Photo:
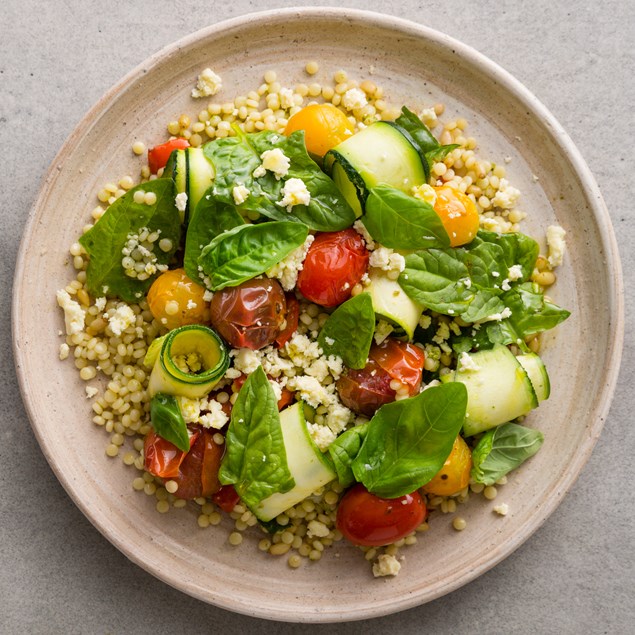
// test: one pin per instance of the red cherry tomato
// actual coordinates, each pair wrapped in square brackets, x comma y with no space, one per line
[368,520]
[366,390]
[162,458]
[226,498]
[293,315]
[159,155]
[286,397]
[335,263]
[249,315]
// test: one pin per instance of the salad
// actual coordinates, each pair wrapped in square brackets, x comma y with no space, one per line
[318,319]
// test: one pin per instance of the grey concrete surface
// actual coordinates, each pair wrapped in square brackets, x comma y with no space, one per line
[59,575]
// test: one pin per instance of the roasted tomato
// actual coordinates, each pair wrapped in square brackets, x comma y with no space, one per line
[176,300]
[365,390]
[335,263]
[159,155]
[368,520]
[226,498]
[162,458]
[286,396]
[455,473]
[324,125]
[293,315]
[250,315]
[458,214]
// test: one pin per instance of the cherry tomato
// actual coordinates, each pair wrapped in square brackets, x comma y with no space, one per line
[458,214]
[365,390]
[159,155]
[324,125]
[249,315]
[455,473]
[368,520]
[335,263]
[162,458]
[226,498]
[175,300]
[286,397]
[293,315]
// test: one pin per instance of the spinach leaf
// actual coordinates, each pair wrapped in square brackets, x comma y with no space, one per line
[349,331]
[344,450]
[236,158]
[105,241]
[409,440]
[246,251]
[209,219]
[514,249]
[255,460]
[503,449]
[399,221]
[168,422]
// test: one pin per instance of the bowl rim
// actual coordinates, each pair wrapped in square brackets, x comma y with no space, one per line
[559,137]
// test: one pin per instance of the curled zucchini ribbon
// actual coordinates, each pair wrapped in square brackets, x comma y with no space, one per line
[167,377]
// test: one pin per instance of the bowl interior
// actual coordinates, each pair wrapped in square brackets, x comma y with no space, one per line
[417,67]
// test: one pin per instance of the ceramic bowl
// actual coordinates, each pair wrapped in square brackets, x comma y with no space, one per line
[417,67]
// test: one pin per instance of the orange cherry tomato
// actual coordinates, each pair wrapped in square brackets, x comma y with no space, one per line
[162,458]
[455,473]
[324,125]
[458,214]
[159,155]
[175,300]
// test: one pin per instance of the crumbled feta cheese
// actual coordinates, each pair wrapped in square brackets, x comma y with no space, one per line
[497,317]
[329,340]
[495,224]
[232,373]
[467,363]
[442,334]
[429,117]
[322,436]
[515,272]
[354,98]
[317,529]
[318,369]
[507,196]
[208,295]
[294,193]
[90,392]
[287,98]
[387,260]
[208,84]
[215,418]
[382,331]
[275,161]
[360,228]
[181,201]
[64,351]
[302,351]
[240,194]
[190,409]
[386,565]
[74,315]
[100,303]
[310,389]
[336,366]
[277,389]
[121,319]
[287,270]
[245,360]
[425,321]
[505,286]
[502,509]
[556,245]
[425,193]
[259,171]
[338,417]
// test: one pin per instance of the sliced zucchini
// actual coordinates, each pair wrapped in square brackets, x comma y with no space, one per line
[200,175]
[391,303]
[498,389]
[167,377]
[310,468]
[377,154]
[537,371]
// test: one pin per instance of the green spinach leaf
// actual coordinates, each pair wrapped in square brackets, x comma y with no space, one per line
[349,331]
[105,241]
[344,450]
[399,221]
[408,441]
[247,251]
[503,449]
[168,422]
[255,461]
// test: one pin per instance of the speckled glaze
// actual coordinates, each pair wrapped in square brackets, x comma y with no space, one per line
[418,67]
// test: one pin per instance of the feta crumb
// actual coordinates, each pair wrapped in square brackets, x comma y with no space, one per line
[386,565]
[64,351]
[329,340]
[317,529]
[515,272]
[180,201]
[258,172]
[240,194]
[275,161]
[425,193]
[382,331]
[556,245]
[507,196]
[121,319]
[467,363]
[277,389]
[100,303]
[429,117]
[505,286]
[310,389]
[354,98]
[502,509]
[497,317]
[322,436]
[74,315]
[190,409]
[287,98]
[209,83]
[294,193]
[208,295]
[425,321]
[387,260]
[215,418]
[360,228]
[90,392]
[245,360]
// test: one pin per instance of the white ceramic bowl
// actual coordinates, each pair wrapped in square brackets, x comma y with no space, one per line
[416,66]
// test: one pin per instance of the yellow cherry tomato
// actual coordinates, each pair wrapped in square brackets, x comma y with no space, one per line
[324,125]
[458,214]
[455,473]
[175,300]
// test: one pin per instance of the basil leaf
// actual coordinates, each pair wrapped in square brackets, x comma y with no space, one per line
[399,221]
[167,420]
[409,440]
[503,449]
[255,460]
[236,158]
[105,241]
[246,251]
[349,331]
[209,219]
[344,450]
